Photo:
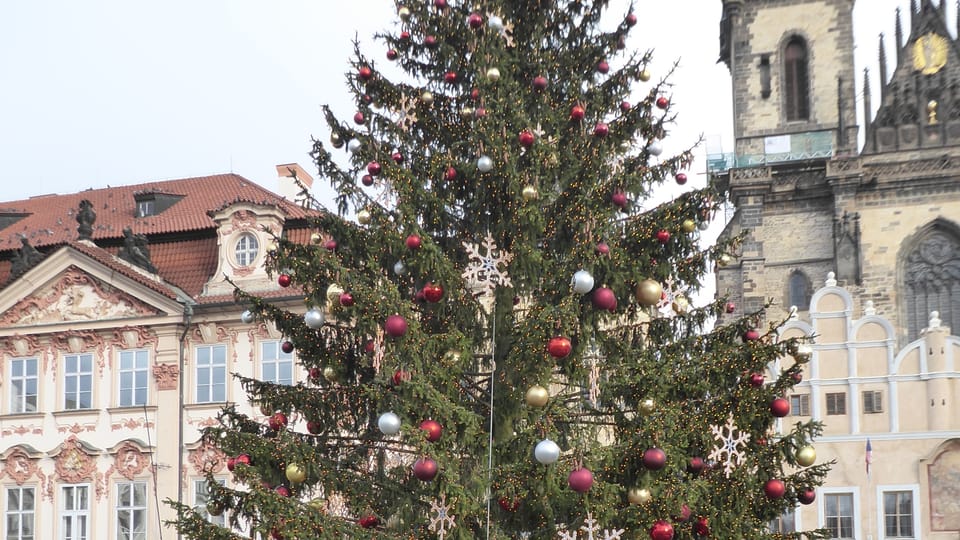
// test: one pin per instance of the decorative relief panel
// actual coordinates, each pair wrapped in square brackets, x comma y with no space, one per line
[129,461]
[76,342]
[73,464]
[19,466]
[75,296]
[21,430]
[166,376]
[207,458]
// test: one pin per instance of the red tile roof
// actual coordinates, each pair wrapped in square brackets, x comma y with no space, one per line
[183,238]
[51,219]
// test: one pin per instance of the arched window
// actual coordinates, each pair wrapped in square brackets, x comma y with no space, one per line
[931,278]
[798,291]
[796,80]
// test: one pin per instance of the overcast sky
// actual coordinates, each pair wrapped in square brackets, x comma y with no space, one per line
[110,92]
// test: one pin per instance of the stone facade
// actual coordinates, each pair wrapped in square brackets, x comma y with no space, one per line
[884,223]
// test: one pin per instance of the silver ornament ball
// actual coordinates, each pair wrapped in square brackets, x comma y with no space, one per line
[313,318]
[485,164]
[582,282]
[389,423]
[655,148]
[399,269]
[547,452]
[246,317]
[353,146]
[496,23]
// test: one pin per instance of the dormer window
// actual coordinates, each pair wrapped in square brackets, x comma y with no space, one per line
[246,250]
[152,203]
[146,208]
[796,80]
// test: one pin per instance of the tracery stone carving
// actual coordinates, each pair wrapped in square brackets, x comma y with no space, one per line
[932,279]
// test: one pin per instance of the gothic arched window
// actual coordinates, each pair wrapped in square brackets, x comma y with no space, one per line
[931,278]
[796,80]
[798,291]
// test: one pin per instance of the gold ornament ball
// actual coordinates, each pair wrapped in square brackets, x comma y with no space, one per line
[647,407]
[214,508]
[333,293]
[404,13]
[330,374]
[638,496]
[530,193]
[493,74]
[724,260]
[806,456]
[364,217]
[466,113]
[644,75]
[537,396]
[803,354]
[648,292]
[335,140]
[295,473]
[318,504]
[680,304]
[426,98]
[316,238]
[451,357]
[688,226]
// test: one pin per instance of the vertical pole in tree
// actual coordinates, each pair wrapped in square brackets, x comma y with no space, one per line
[493,369]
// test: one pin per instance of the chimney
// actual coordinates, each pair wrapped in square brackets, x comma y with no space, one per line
[288,187]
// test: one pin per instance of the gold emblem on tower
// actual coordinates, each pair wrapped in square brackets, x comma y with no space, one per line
[929,53]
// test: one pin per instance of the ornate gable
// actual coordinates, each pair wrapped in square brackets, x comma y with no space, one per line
[75,296]
[920,105]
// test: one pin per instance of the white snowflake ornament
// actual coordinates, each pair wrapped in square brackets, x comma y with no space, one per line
[729,452]
[483,272]
[592,528]
[441,521]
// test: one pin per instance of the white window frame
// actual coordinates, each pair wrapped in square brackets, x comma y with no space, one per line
[246,249]
[206,394]
[18,402]
[200,501]
[135,356]
[844,490]
[271,354]
[81,527]
[133,509]
[80,375]
[796,520]
[803,404]
[914,489]
[23,514]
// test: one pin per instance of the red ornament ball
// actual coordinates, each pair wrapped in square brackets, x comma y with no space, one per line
[432,292]
[661,530]
[451,174]
[730,307]
[314,427]
[480,112]
[346,299]
[577,113]
[663,236]
[397,157]
[392,54]
[315,374]
[368,522]
[425,469]
[526,138]
[580,480]
[367,180]
[400,376]
[430,42]
[654,459]
[806,496]
[662,102]
[286,347]
[631,19]
[413,242]
[756,380]
[601,130]
[797,377]
[475,20]
[278,421]
[684,514]
[681,178]
[603,66]
[282,491]
[751,335]
[450,77]
[231,463]
[404,36]
[603,298]
[540,83]
[433,428]
[365,73]
[619,199]
[696,465]
[440,3]
[395,326]
[374,168]
[702,527]
[774,488]
[330,245]
[779,407]
[559,347]
[284,280]
[369,346]
[358,118]
[509,505]
[475,94]
[243,459]
[625,106]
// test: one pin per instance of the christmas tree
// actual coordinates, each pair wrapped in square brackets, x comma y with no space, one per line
[496,325]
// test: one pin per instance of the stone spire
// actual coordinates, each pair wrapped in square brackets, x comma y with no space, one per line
[867,109]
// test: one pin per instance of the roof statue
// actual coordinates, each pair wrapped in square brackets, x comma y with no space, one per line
[135,250]
[85,217]
[24,259]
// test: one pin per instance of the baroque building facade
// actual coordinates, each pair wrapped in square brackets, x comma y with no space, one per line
[118,337]
[857,248]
